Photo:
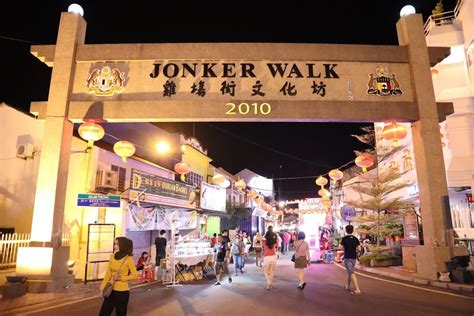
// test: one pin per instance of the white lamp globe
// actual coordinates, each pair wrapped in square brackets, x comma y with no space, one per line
[225,184]
[75,8]
[407,10]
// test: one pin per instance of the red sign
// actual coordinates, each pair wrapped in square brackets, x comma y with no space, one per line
[469,198]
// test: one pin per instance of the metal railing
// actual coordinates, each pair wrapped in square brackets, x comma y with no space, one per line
[444,18]
[9,244]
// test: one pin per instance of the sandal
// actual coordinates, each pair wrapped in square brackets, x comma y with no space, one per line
[356,293]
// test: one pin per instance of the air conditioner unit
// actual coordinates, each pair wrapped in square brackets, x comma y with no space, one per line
[106,179]
[25,150]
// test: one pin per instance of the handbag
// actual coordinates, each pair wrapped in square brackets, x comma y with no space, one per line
[293,256]
[109,286]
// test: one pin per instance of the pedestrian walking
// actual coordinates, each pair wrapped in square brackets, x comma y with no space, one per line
[301,258]
[160,244]
[120,270]
[222,259]
[257,245]
[279,243]
[292,240]
[213,240]
[270,244]
[248,243]
[238,249]
[351,245]
[286,242]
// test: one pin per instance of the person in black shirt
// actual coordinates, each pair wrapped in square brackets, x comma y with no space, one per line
[350,244]
[222,259]
[160,244]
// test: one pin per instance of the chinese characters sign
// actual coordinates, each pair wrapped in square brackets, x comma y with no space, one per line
[150,188]
[257,81]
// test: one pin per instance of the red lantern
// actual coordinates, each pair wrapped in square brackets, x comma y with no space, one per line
[182,168]
[394,132]
[364,161]
[252,195]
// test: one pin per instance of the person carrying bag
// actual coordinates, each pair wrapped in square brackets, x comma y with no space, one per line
[293,256]
[301,258]
[120,270]
[110,285]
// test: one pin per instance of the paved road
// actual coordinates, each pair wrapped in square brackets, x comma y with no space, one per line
[323,295]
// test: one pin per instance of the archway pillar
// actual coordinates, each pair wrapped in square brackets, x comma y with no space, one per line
[434,205]
[45,261]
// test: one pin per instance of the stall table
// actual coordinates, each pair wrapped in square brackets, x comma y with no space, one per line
[189,261]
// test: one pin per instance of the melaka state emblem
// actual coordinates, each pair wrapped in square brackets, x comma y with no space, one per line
[382,85]
[105,82]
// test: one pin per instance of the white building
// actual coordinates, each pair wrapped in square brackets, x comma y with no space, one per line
[453,80]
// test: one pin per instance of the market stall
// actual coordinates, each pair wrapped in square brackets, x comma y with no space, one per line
[191,257]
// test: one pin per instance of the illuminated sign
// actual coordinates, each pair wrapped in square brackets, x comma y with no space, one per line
[212,197]
[154,189]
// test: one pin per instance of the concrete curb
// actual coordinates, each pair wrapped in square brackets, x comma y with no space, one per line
[67,299]
[445,285]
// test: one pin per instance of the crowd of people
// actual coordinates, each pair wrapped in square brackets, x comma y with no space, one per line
[121,268]
[267,249]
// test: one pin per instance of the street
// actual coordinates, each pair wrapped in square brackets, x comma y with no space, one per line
[324,295]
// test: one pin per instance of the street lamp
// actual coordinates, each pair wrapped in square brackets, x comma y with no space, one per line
[407,10]
[91,132]
[162,147]
[75,8]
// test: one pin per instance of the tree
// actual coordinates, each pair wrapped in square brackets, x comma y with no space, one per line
[438,8]
[233,216]
[376,188]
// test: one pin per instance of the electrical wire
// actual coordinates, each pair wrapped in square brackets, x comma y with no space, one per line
[266,147]
[18,40]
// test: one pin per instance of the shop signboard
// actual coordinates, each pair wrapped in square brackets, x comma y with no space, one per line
[150,188]
[98,200]
[212,197]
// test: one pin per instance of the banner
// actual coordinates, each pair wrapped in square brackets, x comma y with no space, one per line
[156,218]
[212,197]
[154,189]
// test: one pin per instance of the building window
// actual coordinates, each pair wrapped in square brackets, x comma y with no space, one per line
[122,172]
[194,179]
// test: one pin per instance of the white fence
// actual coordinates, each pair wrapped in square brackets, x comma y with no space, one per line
[444,18]
[9,244]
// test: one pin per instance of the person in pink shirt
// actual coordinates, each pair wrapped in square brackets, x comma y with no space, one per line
[270,244]
[286,242]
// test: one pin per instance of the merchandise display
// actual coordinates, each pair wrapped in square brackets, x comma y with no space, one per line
[192,247]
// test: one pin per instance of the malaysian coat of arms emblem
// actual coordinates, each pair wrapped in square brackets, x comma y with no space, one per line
[105,82]
[382,85]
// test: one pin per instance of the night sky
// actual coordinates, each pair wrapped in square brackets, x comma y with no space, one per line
[270,149]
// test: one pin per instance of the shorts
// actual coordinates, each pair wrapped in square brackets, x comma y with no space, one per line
[350,266]
[221,266]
